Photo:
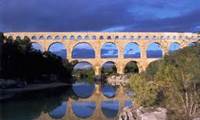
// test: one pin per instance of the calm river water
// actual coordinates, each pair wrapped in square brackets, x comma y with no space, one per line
[79,102]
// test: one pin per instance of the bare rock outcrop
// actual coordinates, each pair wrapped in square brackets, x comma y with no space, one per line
[143,114]
[118,80]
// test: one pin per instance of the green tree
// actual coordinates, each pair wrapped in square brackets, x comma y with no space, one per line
[22,62]
[1,50]
[145,92]
[173,82]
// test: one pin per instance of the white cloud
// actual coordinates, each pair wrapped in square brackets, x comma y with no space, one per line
[115,29]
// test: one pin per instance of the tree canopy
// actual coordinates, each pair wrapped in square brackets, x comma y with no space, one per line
[172,82]
[21,62]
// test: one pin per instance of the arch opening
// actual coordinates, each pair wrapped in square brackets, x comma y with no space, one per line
[83,71]
[83,50]
[34,38]
[131,67]
[57,37]
[132,50]
[173,47]
[49,37]
[36,46]
[109,50]
[41,37]
[58,49]
[154,50]
[84,75]
[108,68]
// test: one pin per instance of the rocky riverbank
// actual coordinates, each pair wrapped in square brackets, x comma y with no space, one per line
[121,80]
[143,114]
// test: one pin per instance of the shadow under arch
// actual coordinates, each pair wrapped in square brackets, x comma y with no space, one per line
[58,49]
[108,68]
[132,50]
[154,50]
[131,67]
[83,70]
[109,50]
[83,50]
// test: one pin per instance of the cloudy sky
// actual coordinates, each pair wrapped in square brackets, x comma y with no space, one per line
[100,15]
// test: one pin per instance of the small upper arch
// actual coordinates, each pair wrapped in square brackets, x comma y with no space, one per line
[72,37]
[57,37]
[49,37]
[64,37]
[79,37]
[34,37]
[86,37]
[41,37]
[94,37]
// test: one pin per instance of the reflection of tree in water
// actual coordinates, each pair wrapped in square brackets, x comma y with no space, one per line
[32,105]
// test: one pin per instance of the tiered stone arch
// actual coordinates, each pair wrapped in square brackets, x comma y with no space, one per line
[120,39]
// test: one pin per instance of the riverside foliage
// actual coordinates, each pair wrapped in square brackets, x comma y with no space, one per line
[21,62]
[172,82]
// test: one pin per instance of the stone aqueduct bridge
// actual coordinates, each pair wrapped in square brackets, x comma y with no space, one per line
[120,39]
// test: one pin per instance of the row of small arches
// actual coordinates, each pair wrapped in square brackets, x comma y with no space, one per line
[109,50]
[109,37]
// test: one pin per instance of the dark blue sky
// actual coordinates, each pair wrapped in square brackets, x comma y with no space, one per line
[100,15]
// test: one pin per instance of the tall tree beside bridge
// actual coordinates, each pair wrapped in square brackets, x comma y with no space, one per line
[1,50]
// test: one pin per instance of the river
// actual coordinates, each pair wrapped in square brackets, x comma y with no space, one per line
[82,101]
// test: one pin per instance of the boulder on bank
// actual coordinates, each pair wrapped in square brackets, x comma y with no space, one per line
[143,114]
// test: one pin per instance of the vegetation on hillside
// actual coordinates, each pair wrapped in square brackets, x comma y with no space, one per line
[172,82]
[23,63]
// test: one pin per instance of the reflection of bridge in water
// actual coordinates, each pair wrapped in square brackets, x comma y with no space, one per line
[97,97]
[97,39]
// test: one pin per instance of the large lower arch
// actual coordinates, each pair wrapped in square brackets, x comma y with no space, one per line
[131,67]
[109,50]
[84,71]
[58,49]
[132,50]
[37,46]
[173,47]
[108,68]
[83,50]
[154,50]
